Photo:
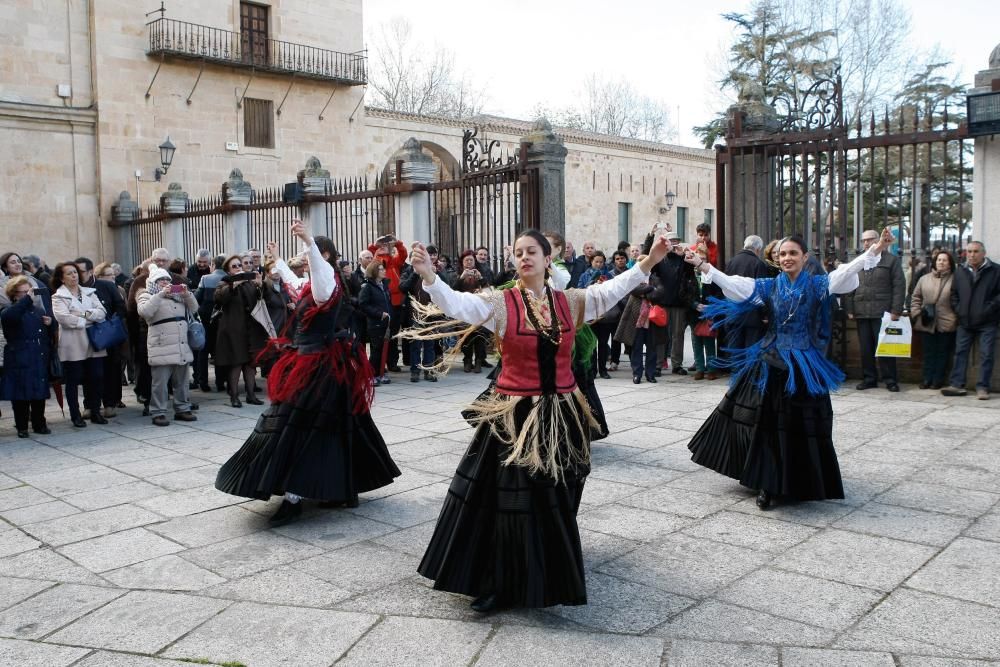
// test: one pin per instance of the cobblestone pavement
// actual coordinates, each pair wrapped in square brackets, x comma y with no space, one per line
[115,547]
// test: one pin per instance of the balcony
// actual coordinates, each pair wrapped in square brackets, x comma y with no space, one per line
[179,39]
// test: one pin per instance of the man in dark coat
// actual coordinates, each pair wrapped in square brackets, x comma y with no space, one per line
[204,293]
[747,263]
[880,290]
[202,267]
[580,263]
[975,298]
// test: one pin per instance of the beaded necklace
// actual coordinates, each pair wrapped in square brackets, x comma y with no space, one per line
[554,333]
[786,289]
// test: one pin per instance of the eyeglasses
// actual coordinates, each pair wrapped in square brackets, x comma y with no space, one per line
[236,266]
[108,274]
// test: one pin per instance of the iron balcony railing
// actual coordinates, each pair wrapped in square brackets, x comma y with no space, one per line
[168,37]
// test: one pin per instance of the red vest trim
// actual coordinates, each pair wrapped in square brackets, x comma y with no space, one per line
[521,372]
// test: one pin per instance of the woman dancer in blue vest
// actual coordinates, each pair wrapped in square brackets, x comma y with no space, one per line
[317,439]
[773,431]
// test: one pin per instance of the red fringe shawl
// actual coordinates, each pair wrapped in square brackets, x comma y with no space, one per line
[293,373]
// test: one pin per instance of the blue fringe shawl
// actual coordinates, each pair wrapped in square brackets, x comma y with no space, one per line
[806,362]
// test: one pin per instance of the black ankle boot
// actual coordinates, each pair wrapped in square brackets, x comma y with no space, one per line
[430,377]
[764,499]
[287,513]
[484,604]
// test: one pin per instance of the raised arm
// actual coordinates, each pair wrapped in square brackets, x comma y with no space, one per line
[844,278]
[456,305]
[321,273]
[602,297]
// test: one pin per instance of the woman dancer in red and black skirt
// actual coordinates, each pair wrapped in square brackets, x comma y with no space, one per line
[507,533]
[317,439]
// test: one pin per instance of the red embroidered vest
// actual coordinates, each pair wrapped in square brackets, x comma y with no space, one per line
[532,365]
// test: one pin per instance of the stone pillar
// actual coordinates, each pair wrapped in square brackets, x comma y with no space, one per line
[547,155]
[986,196]
[986,170]
[123,212]
[748,179]
[315,181]
[174,201]
[413,220]
[237,192]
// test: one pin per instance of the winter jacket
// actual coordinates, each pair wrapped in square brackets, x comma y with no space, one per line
[74,316]
[205,294]
[880,290]
[238,337]
[393,268]
[373,302]
[676,277]
[576,268]
[651,291]
[934,288]
[166,317]
[26,353]
[976,298]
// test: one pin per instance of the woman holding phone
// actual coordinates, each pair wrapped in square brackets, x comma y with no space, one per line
[239,337]
[166,308]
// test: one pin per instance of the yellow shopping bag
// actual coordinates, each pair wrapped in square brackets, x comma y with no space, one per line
[895,337]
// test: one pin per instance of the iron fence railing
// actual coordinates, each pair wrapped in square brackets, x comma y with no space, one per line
[269,218]
[204,226]
[169,37]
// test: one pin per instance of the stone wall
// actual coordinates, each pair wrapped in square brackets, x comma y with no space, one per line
[601,171]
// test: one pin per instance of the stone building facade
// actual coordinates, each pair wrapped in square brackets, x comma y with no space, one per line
[612,184]
[85,100]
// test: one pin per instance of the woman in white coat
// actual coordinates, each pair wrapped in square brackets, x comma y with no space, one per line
[76,308]
[166,309]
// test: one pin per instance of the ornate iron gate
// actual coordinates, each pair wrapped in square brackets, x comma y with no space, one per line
[798,168]
[494,199]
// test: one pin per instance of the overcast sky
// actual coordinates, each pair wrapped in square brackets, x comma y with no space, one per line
[525,53]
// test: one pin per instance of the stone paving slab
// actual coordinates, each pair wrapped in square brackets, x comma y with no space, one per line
[141,621]
[267,635]
[117,551]
[48,611]
[417,641]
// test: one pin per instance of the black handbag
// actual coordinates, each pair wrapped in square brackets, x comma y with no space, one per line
[55,366]
[927,314]
[928,311]
[107,334]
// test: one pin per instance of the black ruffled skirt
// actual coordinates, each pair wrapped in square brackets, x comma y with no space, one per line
[503,530]
[586,381]
[312,446]
[772,441]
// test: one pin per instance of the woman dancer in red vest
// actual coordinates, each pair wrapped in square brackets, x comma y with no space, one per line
[507,533]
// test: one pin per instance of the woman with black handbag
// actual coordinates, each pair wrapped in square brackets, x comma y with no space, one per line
[933,317]
[76,309]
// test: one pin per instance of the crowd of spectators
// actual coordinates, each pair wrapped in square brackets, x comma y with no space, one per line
[242,301]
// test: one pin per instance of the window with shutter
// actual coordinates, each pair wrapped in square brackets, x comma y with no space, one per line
[258,123]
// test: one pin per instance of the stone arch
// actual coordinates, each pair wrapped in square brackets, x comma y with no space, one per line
[449,167]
